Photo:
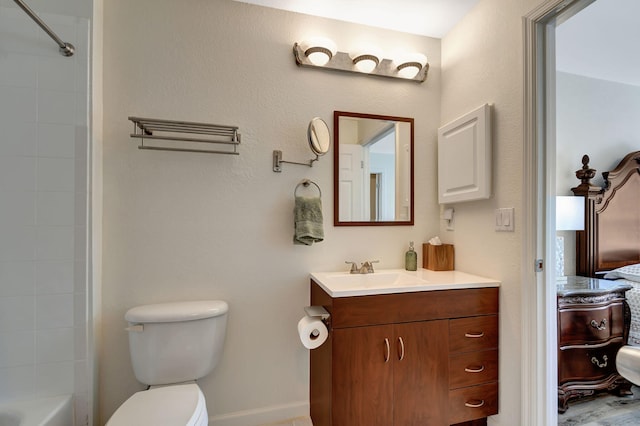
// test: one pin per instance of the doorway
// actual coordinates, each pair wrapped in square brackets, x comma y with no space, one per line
[539,406]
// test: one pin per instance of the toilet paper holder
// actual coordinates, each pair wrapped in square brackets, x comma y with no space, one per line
[319,311]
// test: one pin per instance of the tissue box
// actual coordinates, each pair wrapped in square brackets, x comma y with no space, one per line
[437,258]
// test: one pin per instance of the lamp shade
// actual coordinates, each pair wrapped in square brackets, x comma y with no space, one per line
[569,213]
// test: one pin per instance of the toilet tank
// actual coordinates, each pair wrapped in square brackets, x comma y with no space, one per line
[176,342]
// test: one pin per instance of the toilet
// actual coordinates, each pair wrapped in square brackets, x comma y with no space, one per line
[172,345]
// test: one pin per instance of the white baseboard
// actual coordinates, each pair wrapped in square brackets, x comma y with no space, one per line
[262,416]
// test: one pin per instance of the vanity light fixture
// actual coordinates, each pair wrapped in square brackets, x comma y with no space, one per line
[318,50]
[366,61]
[369,62]
[410,65]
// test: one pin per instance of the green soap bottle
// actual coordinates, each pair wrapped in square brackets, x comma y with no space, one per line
[411,259]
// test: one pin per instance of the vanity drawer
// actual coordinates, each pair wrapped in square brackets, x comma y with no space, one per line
[473,368]
[588,362]
[473,402]
[473,334]
[590,324]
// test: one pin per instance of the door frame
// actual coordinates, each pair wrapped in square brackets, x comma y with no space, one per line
[539,323]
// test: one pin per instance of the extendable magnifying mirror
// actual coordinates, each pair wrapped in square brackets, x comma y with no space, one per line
[319,138]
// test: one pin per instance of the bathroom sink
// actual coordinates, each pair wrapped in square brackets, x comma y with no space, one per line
[386,281]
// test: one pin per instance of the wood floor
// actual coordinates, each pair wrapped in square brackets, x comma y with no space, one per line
[604,410]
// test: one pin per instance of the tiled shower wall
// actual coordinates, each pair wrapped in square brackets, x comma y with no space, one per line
[44,148]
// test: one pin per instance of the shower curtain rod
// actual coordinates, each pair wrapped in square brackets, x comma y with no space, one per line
[66,49]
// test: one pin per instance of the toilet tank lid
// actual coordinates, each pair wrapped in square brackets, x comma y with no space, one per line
[177,311]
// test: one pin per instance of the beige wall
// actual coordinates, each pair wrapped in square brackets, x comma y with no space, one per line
[181,226]
[482,62]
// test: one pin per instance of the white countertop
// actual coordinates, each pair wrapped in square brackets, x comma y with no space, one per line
[388,281]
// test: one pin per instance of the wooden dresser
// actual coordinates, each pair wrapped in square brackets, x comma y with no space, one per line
[593,323]
[407,359]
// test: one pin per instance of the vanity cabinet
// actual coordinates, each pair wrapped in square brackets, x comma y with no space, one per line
[593,323]
[407,359]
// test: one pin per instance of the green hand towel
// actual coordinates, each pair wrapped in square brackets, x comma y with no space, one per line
[307,215]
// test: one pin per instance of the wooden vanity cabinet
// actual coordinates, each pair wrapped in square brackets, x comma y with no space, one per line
[403,359]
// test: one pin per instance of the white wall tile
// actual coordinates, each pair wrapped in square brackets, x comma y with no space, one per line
[54,311]
[55,208]
[19,104]
[80,276]
[18,243]
[56,174]
[54,277]
[55,243]
[17,348]
[54,378]
[56,72]
[54,345]
[18,139]
[17,314]
[56,106]
[56,140]
[17,279]
[17,208]
[79,309]
[17,174]
[80,342]
[17,69]
[17,382]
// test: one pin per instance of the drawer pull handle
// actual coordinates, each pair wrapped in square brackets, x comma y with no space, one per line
[474,335]
[474,369]
[597,363]
[474,403]
[401,357]
[601,326]
[388,350]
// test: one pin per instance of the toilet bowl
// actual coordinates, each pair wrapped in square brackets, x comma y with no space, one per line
[163,406]
[171,346]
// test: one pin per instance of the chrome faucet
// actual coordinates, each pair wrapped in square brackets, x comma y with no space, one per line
[366,268]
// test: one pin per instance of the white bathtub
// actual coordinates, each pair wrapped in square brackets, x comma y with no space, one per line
[52,411]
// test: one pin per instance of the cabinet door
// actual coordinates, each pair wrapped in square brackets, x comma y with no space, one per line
[363,376]
[421,373]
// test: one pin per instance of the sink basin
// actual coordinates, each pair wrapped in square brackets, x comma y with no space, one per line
[386,281]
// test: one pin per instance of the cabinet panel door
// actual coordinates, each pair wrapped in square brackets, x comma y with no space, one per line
[420,375]
[363,376]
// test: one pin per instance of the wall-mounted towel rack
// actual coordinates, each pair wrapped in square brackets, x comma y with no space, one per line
[169,130]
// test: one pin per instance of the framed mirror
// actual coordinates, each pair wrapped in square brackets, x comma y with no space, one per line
[373,160]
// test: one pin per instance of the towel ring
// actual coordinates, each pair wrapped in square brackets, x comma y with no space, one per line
[306,183]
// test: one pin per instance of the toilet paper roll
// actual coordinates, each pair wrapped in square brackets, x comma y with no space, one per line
[312,332]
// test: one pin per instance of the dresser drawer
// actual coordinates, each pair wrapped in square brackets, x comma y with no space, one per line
[588,362]
[473,368]
[473,402]
[473,334]
[590,324]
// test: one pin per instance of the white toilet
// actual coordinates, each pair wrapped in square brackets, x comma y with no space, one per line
[172,345]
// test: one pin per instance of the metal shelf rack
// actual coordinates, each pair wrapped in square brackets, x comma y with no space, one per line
[227,138]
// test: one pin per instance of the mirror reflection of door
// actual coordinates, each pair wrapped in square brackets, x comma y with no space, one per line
[351,175]
[374,196]
[373,169]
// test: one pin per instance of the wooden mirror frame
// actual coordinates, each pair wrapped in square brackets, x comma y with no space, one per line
[336,159]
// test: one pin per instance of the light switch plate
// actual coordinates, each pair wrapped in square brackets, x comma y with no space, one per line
[504,219]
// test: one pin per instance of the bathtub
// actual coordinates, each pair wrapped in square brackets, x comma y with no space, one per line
[50,411]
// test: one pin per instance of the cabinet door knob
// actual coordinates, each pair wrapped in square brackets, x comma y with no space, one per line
[472,369]
[388,350]
[601,326]
[474,335]
[401,355]
[476,403]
